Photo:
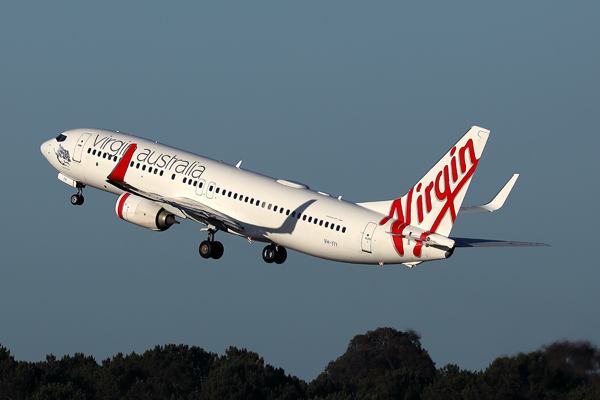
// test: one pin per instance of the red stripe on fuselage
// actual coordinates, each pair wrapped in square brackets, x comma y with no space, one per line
[118,174]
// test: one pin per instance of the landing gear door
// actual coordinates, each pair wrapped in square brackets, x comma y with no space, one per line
[80,146]
[368,237]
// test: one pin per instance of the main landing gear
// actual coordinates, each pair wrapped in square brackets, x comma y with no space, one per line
[211,249]
[77,199]
[273,253]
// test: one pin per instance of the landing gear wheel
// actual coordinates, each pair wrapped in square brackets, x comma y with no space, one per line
[268,254]
[217,250]
[205,249]
[280,255]
[211,249]
[77,199]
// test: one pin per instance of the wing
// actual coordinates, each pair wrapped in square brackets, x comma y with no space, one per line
[203,214]
[496,203]
[189,208]
[468,242]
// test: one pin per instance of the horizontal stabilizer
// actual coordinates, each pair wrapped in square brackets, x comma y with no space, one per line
[496,203]
[468,242]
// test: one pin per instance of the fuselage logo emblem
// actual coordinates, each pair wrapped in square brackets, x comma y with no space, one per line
[63,156]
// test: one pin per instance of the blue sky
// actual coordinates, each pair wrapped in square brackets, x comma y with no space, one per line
[355,99]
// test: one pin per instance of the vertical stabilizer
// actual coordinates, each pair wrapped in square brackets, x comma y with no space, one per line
[433,203]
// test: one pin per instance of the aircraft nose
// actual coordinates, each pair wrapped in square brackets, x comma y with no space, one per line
[46,148]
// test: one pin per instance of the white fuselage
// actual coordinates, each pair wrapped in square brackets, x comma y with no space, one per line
[266,208]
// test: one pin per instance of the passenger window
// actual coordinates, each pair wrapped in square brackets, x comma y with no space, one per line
[184,179]
[201,184]
[241,197]
[281,210]
[332,226]
[321,223]
[131,164]
[161,172]
[344,230]
[316,220]
[155,171]
[149,169]
[304,217]
[269,206]
[263,204]
[229,194]
[210,188]
[309,219]
[235,196]
[195,183]
[251,201]
[94,152]
[172,176]
[275,208]
[293,214]
[337,228]
[89,150]
[99,154]
[217,191]
[246,200]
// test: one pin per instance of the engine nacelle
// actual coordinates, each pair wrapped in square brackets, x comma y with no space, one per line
[144,213]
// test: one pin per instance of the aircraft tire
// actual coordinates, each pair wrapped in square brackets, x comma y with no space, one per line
[268,254]
[280,255]
[217,250]
[205,249]
[77,200]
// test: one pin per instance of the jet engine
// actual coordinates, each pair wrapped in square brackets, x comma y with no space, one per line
[143,212]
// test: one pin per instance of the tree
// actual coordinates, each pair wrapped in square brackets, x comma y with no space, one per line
[452,383]
[378,352]
[241,374]
[582,359]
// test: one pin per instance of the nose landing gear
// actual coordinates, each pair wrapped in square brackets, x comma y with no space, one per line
[77,199]
[210,248]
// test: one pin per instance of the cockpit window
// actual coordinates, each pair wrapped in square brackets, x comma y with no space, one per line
[61,138]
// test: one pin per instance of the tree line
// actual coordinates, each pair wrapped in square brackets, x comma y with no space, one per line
[381,364]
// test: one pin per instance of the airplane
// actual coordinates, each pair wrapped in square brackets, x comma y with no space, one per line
[157,184]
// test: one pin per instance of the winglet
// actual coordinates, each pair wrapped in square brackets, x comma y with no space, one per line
[118,174]
[496,203]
